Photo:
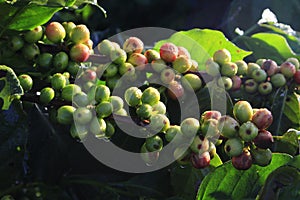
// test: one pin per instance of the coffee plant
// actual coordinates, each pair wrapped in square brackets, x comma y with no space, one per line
[62,94]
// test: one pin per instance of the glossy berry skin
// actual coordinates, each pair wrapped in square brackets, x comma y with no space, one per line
[236,83]
[242,68]
[212,67]
[104,109]
[126,69]
[47,94]
[262,118]
[278,80]
[288,69]
[189,127]
[265,88]
[69,91]
[211,114]
[264,139]
[261,157]
[105,47]
[65,114]
[98,127]
[242,111]
[167,76]
[199,145]
[150,96]
[251,68]
[168,52]
[154,143]
[175,90]
[58,81]
[182,64]
[15,43]
[44,60]
[82,115]
[79,53]
[133,96]
[222,56]
[194,66]
[297,77]
[200,161]
[270,67]
[30,51]
[158,65]
[248,131]
[81,99]
[259,75]
[159,108]
[182,51]
[233,147]
[102,93]
[133,45]
[159,123]
[26,82]
[137,59]
[34,35]
[55,32]
[144,111]
[191,82]
[172,131]
[242,161]
[60,61]
[68,26]
[228,126]
[117,102]
[250,86]
[260,61]
[80,34]
[225,82]
[151,55]
[209,128]
[229,69]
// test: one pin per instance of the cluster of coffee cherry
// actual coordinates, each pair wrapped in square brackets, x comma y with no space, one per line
[263,76]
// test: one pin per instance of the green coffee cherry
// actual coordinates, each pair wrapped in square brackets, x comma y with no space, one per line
[65,114]
[159,108]
[98,127]
[30,51]
[250,86]
[212,67]
[81,99]
[83,115]
[261,157]
[16,43]
[47,94]
[150,96]
[144,111]
[117,103]
[278,80]
[251,68]
[118,56]
[133,96]
[127,69]
[225,82]
[69,91]
[111,70]
[189,127]
[159,123]
[265,88]
[233,147]
[248,131]
[105,47]
[58,81]
[154,143]
[26,82]
[60,61]
[222,56]
[45,60]
[104,109]
[110,130]
[242,68]
[34,35]
[228,126]
[73,68]
[102,93]
[229,69]
[242,111]
[191,82]
[259,75]
[172,131]
[199,146]
[78,131]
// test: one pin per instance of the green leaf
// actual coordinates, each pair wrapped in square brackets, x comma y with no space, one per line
[91,2]
[292,109]
[9,86]
[226,182]
[202,43]
[216,161]
[288,143]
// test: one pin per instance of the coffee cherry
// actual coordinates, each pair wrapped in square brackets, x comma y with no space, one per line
[78,131]
[264,139]
[34,35]
[65,114]
[118,56]
[30,51]
[104,109]
[262,118]
[236,83]
[102,93]
[98,127]
[58,81]
[167,76]
[260,61]
[73,68]
[133,45]
[159,123]
[294,61]
[210,128]
[150,96]
[154,143]
[133,96]
[199,146]
[89,75]
[168,52]
[68,26]
[228,126]
[222,56]
[117,103]
[182,64]
[288,69]
[278,80]
[126,69]
[297,77]
[80,34]
[26,82]
[259,75]
[265,88]
[189,127]
[82,115]
[261,157]
[175,90]
[242,161]
[159,108]
[211,114]
[79,53]
[183,52]
[233,147]
[229,69]
[250,86]
[225,82]
[242,111]
[16,43]
[81,99]
[110,130]
[148,157]
[105,47]
[47,94]
[194,66]
[151,55]
[191,82]
[158,65]
[172,131]
[212,67]
[200,161]
[44,60]
[144,111]
[248,131]
[69,91]
[242,68]
[60,61]
[55,32]
[137,59]
[251,68]
[121,112]
[270,67]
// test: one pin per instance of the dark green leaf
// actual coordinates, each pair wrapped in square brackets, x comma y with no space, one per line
[292,109]
[92,2]
[202,43]
[226,182]
[288,143]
